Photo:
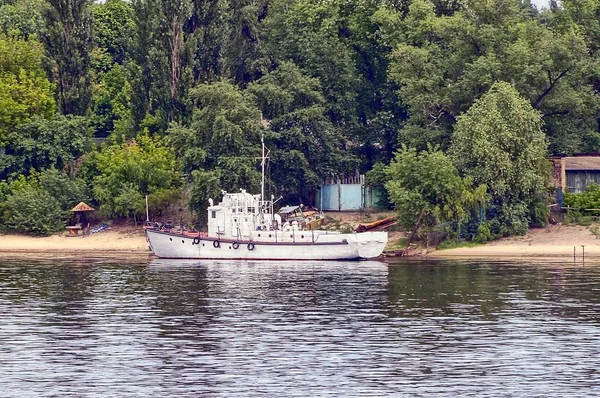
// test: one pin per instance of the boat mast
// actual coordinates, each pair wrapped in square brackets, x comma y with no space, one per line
[263,161]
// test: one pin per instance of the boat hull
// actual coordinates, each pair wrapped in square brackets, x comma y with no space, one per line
[353,246]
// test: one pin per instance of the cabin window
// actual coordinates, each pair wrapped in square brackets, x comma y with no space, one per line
[213,214]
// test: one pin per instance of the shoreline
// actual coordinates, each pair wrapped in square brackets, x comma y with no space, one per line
[551,242]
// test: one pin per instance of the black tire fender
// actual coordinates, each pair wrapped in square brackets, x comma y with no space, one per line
[250,246]
[196,240]
[235,245]
[216,244]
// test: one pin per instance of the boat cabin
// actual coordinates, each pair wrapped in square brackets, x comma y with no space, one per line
[238,214]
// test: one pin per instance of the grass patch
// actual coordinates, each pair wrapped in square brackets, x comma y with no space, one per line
[398,244]
[452,244]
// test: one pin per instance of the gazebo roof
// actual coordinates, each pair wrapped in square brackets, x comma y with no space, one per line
[83,207]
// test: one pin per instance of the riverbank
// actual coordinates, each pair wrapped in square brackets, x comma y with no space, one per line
[124,242]
[552,241]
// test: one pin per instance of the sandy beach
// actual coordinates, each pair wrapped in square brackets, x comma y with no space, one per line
[553,241]
[106,243]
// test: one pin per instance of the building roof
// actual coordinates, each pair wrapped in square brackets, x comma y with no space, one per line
[582,163]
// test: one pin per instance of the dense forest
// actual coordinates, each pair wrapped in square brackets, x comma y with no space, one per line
[451,105]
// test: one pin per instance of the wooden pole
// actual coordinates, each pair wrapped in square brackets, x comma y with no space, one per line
[414,231]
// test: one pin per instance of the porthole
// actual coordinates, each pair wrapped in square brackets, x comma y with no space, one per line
[259,235]
[302,236]
[182,241]
[203,245]
[269,235]
[291,236]
[230,247]
[171,239]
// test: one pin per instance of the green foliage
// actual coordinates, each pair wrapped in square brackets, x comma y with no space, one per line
[203,185]
[588,199]
[221,142]
[21,18]
[128,171]
[307,147]
[42,144]
[113,27]
[484,233]
[444,63]
[499,142]
[428,180]
[110,106]
[129,201]
[24,89]
[39,204]
[67,38]
[66,191]
[539,213]
[340,84]
[159,201]
[33,210]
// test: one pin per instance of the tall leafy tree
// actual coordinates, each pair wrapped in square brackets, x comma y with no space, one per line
[442,64]
[126,172]
[68,41]
[307,146]
[428,182]
[113,28]
[161,69]
[25,90]
[207,29]
[21,18]
[245,53]
[42,143]
[218,150]
[499,142]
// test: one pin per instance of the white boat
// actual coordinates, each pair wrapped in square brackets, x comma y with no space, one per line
[243,226]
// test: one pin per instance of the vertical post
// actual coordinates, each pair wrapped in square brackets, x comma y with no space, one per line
[583,253]
[262,184]
[147,215]
[339,194]
[573,253]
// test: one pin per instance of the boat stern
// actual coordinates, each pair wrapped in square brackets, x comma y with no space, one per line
[371,244]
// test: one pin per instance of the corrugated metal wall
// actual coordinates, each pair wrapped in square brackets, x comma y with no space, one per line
[578,180]
[340,197]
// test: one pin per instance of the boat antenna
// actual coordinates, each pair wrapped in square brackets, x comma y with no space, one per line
[264,158]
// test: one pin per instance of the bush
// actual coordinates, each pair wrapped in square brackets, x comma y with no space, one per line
[33,210]
[538,213]
[484,234]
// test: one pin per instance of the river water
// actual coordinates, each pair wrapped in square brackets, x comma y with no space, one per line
[100,328]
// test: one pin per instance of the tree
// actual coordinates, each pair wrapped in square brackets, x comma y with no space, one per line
[33,210]
[68,41]
[222,141]
[442,64]
[145,165]
[429,181]
[21,18]
[499,142]
[42,144]
[24,89]
[113,28]
[67,192]
[244,54]
[306,146]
